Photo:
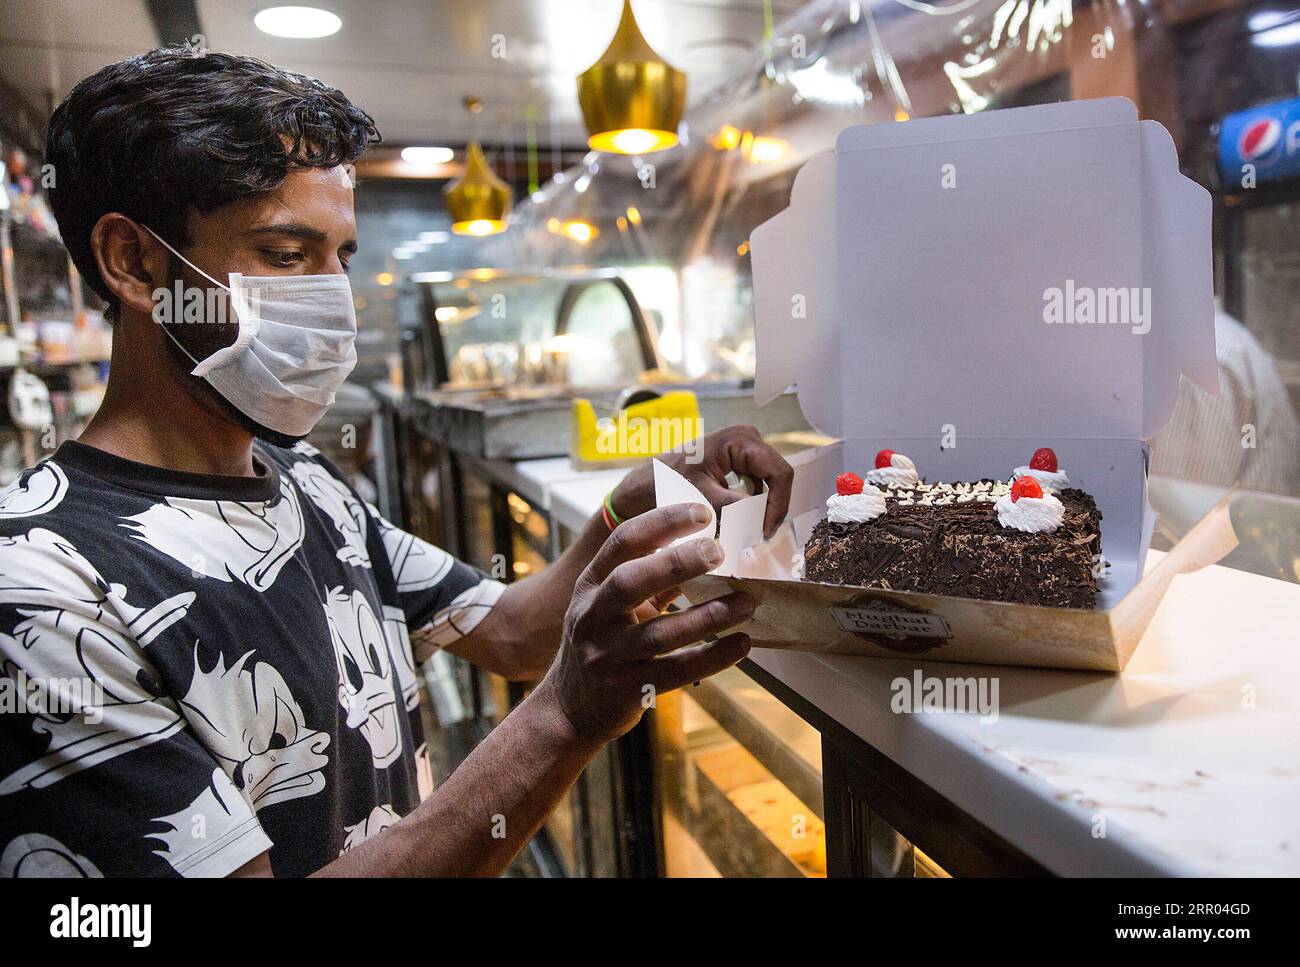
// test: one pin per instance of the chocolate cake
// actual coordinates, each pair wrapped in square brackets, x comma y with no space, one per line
[954,540]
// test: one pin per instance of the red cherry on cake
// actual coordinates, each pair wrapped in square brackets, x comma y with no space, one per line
[1025,487]
[847,484]
[885,458]
[1044,459]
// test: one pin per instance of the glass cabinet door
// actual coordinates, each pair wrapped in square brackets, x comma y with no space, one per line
[740,783]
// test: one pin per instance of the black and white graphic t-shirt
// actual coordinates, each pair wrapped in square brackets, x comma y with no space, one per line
[195,669]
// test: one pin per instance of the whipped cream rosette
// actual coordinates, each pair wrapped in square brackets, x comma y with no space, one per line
[893,470]
[855,508]
[854,501]
[1044,468]
[1027,508]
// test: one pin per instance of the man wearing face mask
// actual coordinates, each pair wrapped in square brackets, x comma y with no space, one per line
[215,637]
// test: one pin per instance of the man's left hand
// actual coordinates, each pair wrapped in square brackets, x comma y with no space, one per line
[737,449]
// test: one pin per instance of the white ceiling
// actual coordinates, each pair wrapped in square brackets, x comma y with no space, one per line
[408,62]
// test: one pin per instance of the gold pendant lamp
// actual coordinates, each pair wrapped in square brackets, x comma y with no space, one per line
[631,99]
[479,202]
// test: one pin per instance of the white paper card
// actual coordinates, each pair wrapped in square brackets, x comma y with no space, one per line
[742,525]
[740,533]
[672,488]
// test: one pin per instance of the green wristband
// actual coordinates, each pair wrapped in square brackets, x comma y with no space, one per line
[609,506]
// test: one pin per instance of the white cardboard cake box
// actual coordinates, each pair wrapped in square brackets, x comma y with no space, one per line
[905,292]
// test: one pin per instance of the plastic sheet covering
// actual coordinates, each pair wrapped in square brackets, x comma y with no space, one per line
[677,222]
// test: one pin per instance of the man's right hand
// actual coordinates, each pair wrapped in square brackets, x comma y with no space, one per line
[610,665]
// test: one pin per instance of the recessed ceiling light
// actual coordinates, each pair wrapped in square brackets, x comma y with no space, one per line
[299,23]
[427,156]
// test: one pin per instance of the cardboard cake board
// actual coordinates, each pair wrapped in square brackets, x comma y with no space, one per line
[965,290]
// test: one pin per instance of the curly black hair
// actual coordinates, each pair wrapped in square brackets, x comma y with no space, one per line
[175,129]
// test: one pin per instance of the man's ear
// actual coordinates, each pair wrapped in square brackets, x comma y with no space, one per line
[132,263]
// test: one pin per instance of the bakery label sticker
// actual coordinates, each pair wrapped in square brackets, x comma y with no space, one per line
[892,626]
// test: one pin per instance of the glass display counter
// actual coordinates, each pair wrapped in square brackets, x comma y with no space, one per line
[571,327]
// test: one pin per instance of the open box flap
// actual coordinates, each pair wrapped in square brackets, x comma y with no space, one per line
[1176,208]
[927,257]
[798,318]
[1090,113]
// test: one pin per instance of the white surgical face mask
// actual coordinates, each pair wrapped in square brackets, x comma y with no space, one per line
[294,349]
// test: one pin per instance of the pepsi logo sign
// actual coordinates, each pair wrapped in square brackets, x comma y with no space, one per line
[1260,144]
[1260,139]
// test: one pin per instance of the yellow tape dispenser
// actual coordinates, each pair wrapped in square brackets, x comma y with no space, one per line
[641,428]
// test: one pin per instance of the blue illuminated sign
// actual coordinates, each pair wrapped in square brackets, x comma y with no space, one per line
[1266,138]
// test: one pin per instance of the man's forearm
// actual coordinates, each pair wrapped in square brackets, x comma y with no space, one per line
[479,819]
[519,638]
